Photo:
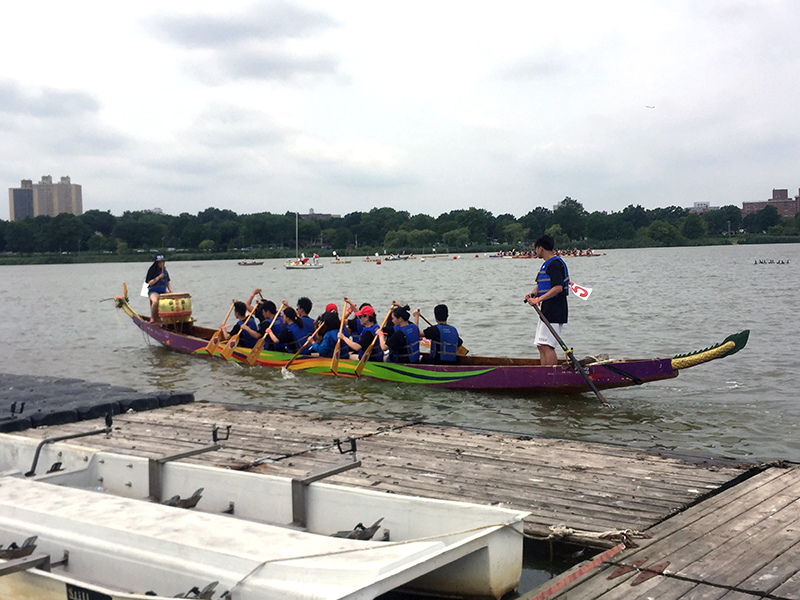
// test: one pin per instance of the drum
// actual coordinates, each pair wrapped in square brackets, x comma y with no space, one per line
[175,308]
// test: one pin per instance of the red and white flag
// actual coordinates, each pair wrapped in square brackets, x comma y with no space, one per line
[580,291]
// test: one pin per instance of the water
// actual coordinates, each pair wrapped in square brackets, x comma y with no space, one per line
[645,303]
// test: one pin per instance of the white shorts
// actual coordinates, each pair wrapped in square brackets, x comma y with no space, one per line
[544,337]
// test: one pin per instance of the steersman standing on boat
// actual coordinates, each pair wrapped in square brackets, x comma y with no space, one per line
[550,293]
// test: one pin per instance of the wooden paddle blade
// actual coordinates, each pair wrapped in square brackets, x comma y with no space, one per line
[461,351]
[335,359]
[211,348]
[252,358]
[230,346]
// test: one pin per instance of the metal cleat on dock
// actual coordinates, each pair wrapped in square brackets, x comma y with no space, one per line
[14,551]
[189,502]
[359,532]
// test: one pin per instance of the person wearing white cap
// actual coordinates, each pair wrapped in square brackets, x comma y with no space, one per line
[158,283]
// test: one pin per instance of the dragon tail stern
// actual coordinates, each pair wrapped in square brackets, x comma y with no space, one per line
[730,345]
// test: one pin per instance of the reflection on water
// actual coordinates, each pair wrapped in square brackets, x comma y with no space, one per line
[653,302]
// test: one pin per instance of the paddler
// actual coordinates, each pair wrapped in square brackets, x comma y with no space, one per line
[367,330]
[550,293]
[304,306]
[158,283]
[327,337]
[403,344]
[292,336]
[249,329]
[444,338]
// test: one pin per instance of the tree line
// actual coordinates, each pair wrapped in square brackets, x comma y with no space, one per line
[384,229]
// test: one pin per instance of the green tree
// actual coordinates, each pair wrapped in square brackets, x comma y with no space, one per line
[514,234]
[537,220]
[601,226]
[422,238]
[207,245]
[571,216]
[20,236]
[694,227]
[561,239]
[767,217]
[636,216]
[396,241]
[457,238]
[663,233]
[102,222]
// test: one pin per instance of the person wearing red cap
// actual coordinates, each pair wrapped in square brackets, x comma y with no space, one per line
[332,308]
[368,328]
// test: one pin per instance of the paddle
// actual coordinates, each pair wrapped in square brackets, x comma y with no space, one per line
[231,344]
[575,363]
[214,341]
[285,368]
[368,351]
[335,359]
[253,356]
[461,350]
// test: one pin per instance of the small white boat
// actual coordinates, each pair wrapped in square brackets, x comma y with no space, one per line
[300,264]
[103,533]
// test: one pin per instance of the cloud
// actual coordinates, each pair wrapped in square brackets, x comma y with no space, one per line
[262,21]
[271,65]
[47,103]
[251,45]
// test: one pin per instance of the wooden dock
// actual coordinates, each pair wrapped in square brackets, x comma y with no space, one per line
[575,491]
[742,544]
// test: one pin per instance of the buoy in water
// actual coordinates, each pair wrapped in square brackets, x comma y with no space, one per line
[377,262]
[476,256]
[421,260]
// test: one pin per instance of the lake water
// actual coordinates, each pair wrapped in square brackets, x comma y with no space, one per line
[645,303]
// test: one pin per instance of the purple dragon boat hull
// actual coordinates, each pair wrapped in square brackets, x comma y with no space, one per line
[469,373]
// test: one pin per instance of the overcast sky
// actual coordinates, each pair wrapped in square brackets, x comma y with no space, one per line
[421,106]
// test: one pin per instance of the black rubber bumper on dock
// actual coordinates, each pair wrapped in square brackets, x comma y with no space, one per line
[32,401]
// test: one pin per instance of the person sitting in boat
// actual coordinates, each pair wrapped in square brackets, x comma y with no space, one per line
[249,329]
[304,306]
[265,313]
[293,335]
[366,332]
[403,343]
[355,325]
[327,336]
[444,338]
[158,283]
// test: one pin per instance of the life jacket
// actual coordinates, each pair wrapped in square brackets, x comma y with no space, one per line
[543,279]
[161,285]
[411,351]
[445,349]
[377,353]
[276,328]
[245,339]
[301,335]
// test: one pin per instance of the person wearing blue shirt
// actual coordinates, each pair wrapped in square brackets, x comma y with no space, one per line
[158,283]
[249,329]
[328,336]
[550,294]
[443,337]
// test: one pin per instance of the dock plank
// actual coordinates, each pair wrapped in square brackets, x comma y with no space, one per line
[589,488]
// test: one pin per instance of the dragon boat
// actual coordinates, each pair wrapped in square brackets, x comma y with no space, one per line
[469,372]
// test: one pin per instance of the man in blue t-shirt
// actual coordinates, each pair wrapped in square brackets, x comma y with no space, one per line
[550,293]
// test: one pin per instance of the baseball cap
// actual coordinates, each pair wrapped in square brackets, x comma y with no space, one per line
[331,308]
[367,310]
[159,257]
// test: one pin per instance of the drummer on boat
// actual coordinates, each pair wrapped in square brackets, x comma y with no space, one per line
[158,283]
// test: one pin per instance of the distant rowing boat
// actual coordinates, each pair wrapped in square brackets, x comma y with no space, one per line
[250,263]
[524,375]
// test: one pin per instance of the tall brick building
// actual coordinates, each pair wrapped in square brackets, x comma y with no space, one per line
[787,207]
[44,198]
